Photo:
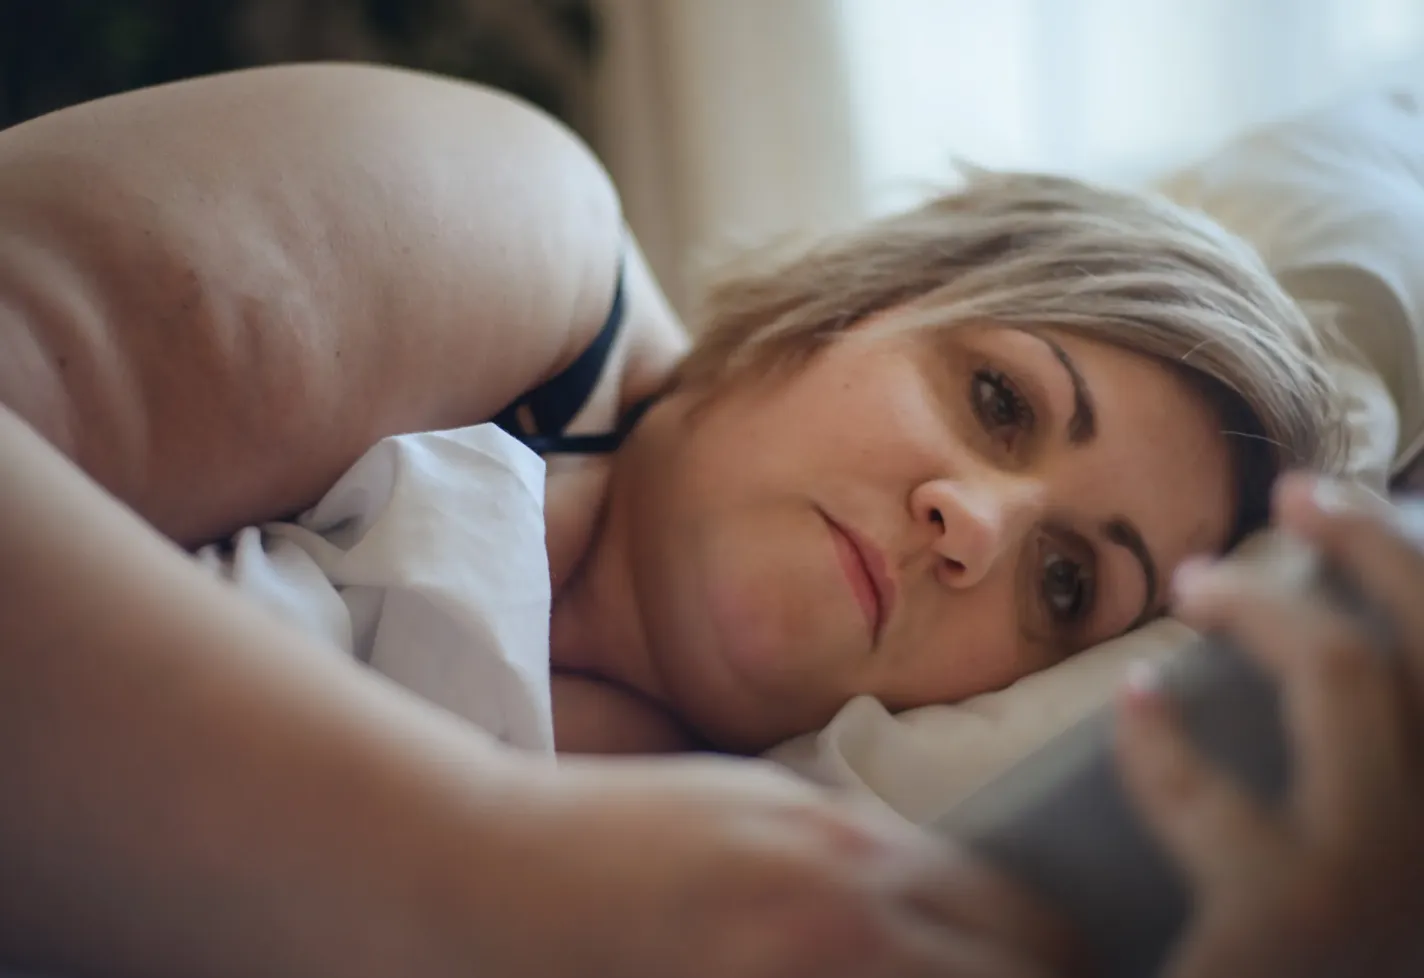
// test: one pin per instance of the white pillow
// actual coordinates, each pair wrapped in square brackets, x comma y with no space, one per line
[1335,203]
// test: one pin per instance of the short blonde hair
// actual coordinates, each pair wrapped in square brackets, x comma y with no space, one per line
[1129,269]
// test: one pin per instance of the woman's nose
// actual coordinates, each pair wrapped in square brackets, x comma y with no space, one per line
[975,525]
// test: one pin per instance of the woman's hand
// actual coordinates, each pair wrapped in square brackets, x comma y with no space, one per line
[715,868]
[1332,884]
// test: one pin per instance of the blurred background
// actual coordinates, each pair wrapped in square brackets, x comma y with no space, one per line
[728,122]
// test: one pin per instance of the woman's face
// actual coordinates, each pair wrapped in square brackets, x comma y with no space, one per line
[912,516]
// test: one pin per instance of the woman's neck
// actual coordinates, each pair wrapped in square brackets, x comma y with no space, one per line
[596,628]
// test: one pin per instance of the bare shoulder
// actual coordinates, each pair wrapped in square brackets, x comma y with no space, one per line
[215,295]
[593,717]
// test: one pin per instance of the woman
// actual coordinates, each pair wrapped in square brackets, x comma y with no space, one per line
[223,292]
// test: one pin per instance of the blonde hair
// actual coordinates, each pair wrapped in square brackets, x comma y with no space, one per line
[1132,270]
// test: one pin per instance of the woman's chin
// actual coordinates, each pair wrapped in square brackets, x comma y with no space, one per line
[749,696]
[750,671]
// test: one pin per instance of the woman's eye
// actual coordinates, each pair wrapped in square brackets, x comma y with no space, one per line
[1067,587]
[998,405]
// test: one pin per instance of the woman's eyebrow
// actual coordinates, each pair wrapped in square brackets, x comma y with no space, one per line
[1083,425]
[1121,532]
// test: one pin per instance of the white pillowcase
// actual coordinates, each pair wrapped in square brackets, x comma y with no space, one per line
[1335,202]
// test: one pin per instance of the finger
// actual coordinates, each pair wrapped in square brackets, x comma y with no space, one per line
[1340,700]
[970,896]
[1368,538]
[1215,834]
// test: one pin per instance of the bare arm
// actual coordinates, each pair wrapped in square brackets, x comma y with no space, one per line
[190,791]
[216,295]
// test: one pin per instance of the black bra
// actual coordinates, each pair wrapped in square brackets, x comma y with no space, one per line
[539,418]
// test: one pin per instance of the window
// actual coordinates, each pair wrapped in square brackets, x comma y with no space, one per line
[1113,89]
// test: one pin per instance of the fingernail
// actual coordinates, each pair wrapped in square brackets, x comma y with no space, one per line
[1189,574]
[1144,683]
[1141,696]
[1330,497]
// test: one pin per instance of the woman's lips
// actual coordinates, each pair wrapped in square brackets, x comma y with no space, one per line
[865,569]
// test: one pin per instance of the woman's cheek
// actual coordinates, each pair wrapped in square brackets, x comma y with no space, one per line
[778,622]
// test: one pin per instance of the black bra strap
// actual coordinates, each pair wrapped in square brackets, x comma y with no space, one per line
[587,444]
[554,404]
